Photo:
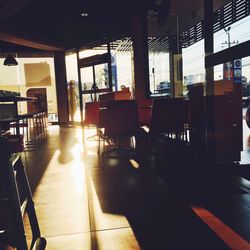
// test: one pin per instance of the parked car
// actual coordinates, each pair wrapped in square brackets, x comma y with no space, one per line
[163,86]
[245,101]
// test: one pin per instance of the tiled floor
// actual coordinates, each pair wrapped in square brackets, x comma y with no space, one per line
[68,208]
[81,205]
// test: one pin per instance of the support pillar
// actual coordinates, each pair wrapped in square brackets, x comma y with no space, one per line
[79,84]
[209,129]
[110,83]
[61,87]
[209,43]
[175,68]
[140,64]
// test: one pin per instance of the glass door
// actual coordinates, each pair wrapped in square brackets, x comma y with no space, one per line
[87,77]
[95,78]
[94,82]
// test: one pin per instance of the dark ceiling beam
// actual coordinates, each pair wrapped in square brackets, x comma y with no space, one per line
[10,38]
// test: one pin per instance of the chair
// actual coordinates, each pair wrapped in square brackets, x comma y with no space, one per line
[120,122]
[15,200]
[92,113]
[92,116]
[169,116]
[167,130]
[36,129]
[144,108]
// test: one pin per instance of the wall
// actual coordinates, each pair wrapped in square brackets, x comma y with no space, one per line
[14,78]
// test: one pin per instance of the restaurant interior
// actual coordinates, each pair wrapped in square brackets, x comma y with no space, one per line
[106,142]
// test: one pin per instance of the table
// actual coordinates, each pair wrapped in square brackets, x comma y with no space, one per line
[15,100]
[117,95]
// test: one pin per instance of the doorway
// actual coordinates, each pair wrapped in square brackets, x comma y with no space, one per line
[94,82]
[94,79]
[40,105]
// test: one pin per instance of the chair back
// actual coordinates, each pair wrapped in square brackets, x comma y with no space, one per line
[92,113]
[168,115]
[144,109]
[121,118]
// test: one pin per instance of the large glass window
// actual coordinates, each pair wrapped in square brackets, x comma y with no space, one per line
[193,65]
[159,76]
[87,78]
[123,66]
[101,75]
[232,35]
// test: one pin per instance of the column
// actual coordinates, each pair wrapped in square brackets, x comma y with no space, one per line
[140,64]
[209,43]
[175,68]
[61,87]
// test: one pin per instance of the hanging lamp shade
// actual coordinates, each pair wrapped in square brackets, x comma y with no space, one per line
[10,61]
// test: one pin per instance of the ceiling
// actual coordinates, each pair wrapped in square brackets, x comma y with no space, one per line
[58,24]
[185,13]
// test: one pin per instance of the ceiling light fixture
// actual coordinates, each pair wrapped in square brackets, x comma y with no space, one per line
[10,61]
[84,14]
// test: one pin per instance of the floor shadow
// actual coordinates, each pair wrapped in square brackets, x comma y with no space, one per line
[158,215]
[36,163]
[157,199]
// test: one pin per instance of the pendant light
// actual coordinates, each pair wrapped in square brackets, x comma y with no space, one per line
[10,61]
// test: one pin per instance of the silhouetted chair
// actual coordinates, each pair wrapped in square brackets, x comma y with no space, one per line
[144,108]
[167,128]
[119,122]
[169,117]
[15,200]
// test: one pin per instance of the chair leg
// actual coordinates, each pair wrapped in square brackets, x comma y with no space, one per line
[30,204]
